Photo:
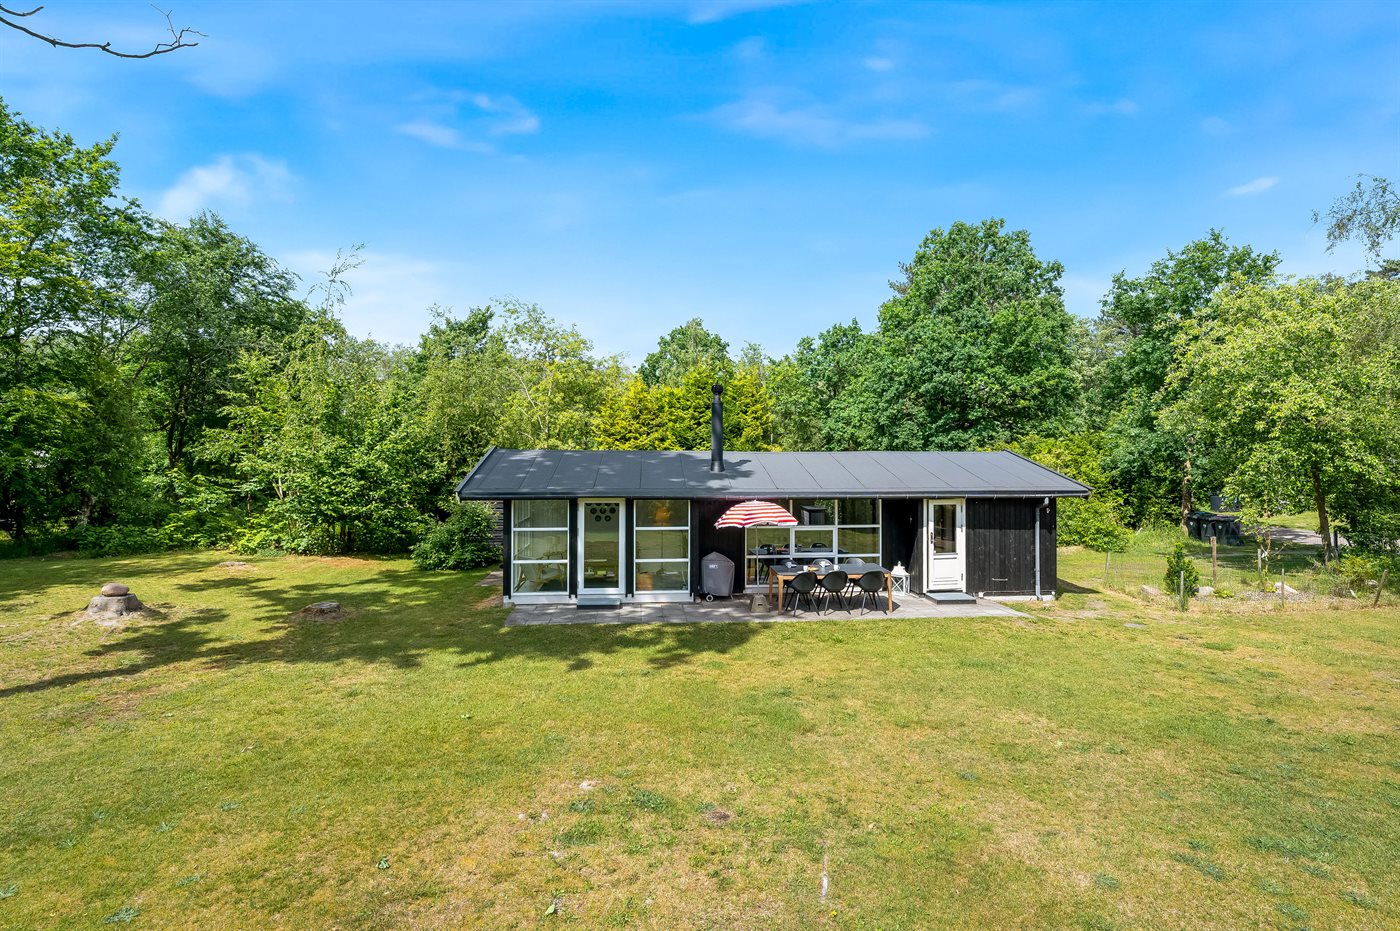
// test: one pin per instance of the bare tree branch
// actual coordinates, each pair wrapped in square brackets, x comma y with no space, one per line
[177,38]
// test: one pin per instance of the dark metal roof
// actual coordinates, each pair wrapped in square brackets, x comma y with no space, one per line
[572,473]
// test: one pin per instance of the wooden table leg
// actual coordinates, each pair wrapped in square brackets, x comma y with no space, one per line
[889,590]
[770,586]
[780,594]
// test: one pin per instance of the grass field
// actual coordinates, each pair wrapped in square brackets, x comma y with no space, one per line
[229,763]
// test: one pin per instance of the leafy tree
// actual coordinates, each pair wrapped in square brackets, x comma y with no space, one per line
[555,382]
[1139,325]
[1370,212]
[686,347]
[1096,522]
[313,435]
[636,416]
[1294,394]
[453,389]
[678,417]
[67,247]
[973,350]
[804,384]
[212,294]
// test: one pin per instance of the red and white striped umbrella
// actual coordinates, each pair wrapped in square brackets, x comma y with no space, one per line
[756,513]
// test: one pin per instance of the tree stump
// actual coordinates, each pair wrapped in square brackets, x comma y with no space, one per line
[114,606]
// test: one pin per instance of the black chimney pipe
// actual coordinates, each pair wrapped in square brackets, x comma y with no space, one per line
[717,432]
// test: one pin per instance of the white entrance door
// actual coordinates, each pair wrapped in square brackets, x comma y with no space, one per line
[946,560]
[600,538]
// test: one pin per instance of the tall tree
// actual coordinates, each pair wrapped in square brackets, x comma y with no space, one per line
[1140,321]
[1294,394]
[684,348]
[638,416]
[68,243]
[805,383]
[212,294]
[973,350]
[555,381]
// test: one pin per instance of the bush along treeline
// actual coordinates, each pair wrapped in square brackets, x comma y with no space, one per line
[169,385]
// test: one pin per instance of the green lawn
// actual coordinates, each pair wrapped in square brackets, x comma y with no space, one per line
[228,763]
[1304,520]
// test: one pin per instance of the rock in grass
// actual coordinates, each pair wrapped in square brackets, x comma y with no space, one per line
[234,564]
[323,609]
[1151,591]
[115,589]
[1205,591]
[113,607]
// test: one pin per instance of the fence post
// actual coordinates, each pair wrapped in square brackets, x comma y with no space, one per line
[1282,585]
[1214,572]
[1106,555]
[1385,574]
[1181,588]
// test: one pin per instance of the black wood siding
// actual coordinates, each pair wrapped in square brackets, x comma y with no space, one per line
[1001,546]
[705,539]
[900,536]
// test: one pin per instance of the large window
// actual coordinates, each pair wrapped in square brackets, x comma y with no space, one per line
[539,546]
[841,530]
[662,541]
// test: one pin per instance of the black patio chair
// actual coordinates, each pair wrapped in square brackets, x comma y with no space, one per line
[871,585]
[801,587]
[834,585]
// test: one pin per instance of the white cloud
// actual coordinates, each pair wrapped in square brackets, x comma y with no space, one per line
[810,125]
[879,63]
[489,115]
[1122,107]
[1257,186]
[712,11]
[228,181]
[432,133]
[511,117]
[1215,126]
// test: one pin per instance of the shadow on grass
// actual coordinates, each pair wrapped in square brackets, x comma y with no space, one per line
[36,575]
[1065,586]
[396,615]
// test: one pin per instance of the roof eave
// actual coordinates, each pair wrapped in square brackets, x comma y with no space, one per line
[691,494]
[461,486]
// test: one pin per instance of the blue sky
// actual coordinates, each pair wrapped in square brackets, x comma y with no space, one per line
[762,165]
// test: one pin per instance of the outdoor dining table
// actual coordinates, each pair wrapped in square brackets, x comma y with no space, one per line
[785,574]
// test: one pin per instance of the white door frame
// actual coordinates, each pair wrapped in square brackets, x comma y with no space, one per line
[621,586]
[953,576]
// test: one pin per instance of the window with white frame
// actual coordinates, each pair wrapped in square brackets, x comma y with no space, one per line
[843,530]
[661,540]
[539,546]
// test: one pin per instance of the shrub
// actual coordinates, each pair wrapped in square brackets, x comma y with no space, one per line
[120,540]
[1096,522]
[1177,564]
[1358,570]
[1093,523]
[463,541]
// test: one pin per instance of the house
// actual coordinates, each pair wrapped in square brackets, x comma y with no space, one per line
[632,525]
